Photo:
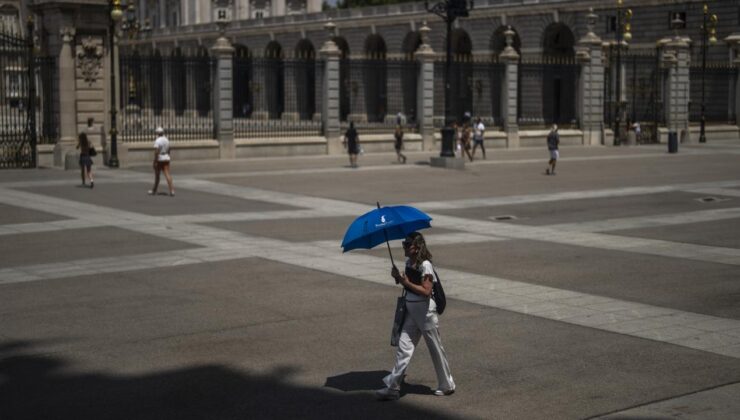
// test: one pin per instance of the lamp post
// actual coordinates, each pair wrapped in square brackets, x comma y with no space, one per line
[623,27]
[708,33]
[449,11]
[115,15]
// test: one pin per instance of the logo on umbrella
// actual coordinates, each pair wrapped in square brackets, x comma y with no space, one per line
[383,222]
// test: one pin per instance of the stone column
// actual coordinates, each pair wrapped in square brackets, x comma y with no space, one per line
[425,90]
[224,106]
[330,103]
[67,100]
[591,84]
[509,91]
[676,59]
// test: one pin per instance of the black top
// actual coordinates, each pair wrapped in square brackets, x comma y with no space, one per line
[553,140]
[351,136]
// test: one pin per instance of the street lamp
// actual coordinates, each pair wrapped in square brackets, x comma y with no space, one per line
[115,15]
[708,33]
[449,11]
[623,27]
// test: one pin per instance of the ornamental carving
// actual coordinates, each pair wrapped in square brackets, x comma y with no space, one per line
[89,59]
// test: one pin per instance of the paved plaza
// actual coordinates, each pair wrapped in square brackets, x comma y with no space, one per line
[610,290]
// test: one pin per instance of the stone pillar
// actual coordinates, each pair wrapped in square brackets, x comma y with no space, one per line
[591,84]
[676,59]
[510,92]
[67,100]
[330,103]
[425,90]
[224,106]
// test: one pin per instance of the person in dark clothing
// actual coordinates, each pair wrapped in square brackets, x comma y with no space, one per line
[352,144]
[85,161]
[399,144]
[553,141]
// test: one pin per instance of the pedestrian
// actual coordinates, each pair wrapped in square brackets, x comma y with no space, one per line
[161,161]
[85,160]
[553,140]
[421,320]
[638,132]
[399,144]
[465,140]
[352,144]
[478,134]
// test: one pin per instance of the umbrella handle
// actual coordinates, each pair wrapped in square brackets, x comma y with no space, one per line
[386,240]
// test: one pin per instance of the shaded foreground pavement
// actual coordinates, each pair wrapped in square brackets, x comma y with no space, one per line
[609,290]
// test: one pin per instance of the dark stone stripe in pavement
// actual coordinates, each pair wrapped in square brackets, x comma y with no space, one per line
[77,244]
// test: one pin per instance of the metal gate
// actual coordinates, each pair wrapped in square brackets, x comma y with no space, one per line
[17,102]
[642,93]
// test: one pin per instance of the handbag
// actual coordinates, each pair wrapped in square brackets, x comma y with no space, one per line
[92,152]
[398,319]
[438,294]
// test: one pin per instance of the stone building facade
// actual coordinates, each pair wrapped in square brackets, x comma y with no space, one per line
[559,38]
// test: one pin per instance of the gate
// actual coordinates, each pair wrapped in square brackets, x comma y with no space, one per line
[642,93]
[17,102]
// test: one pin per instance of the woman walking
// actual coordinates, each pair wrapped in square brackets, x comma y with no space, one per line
[352,143]
[399,144]
[421,320]
[85,161]
[465,140]
[161,161]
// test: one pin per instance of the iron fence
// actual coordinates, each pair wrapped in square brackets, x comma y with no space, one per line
[377,93]
[277,96]
[175,93]
[547,92]
[47,115]
[475,86]
[719,93]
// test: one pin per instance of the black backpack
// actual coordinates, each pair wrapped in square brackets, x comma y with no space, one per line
[438,294]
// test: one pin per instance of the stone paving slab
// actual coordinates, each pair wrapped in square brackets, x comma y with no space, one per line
[592,209]
[133,197]
[703,288]
[68,245]
[16,215]
[252,337]
[723,233]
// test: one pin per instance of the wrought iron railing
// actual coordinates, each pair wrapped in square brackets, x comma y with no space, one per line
[547,92]
[719,93]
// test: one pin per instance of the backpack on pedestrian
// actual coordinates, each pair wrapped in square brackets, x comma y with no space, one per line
[438,294]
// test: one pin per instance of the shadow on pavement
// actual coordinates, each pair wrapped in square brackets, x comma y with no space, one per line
[371,381]
[38,386]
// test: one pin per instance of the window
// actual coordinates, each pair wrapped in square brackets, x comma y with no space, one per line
[680,15]
[259,14]
[611,24]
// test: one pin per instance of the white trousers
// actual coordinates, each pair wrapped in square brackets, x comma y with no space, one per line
[411,332]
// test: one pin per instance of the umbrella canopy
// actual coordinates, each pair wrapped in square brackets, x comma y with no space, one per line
[384,224]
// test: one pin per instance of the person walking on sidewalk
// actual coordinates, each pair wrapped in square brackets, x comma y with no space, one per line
[352,144]
[161,161]
[421,320]
[85,161]
[478,134]
[399,144]
[467,132]
[553,141]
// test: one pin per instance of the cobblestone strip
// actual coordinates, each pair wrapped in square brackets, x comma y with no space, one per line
[657,220]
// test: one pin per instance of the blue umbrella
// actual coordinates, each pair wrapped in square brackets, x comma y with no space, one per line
[382,225]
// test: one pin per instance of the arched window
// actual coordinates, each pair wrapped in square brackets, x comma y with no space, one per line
[461,76]
[274,80]
[242,74]
[202,72]
[156,83]
[305,79]
[559,81]
[344,77]
[375,78]
[177,81]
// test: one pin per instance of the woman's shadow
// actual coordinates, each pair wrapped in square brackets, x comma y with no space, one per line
[370,381]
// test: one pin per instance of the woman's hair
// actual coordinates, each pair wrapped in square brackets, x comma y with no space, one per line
[351,125]
[422,254]
[82,140]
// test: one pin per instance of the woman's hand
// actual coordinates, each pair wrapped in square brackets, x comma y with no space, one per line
[396,275]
